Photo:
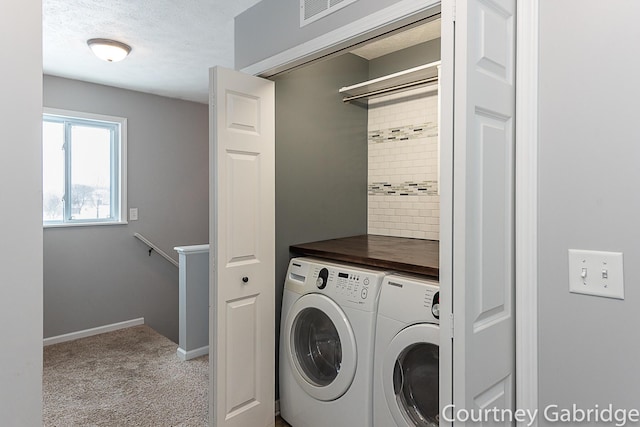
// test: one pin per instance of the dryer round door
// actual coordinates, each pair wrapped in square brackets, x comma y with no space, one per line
[411,377]
[321,347]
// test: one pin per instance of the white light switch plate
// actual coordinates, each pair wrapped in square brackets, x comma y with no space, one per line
[596,273]
[133,214]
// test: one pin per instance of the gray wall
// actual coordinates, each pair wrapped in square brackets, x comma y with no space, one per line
[21,216]
[100,275]
[589,171]
[273,26]
[321,159]
[413,56]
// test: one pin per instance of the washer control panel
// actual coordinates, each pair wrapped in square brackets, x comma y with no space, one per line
[410,299]
[346,284]
[352,285]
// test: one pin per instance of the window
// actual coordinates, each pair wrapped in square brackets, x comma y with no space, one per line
[84,168]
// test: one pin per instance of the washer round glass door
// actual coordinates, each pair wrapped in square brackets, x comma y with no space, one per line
[411,376]
[321,347]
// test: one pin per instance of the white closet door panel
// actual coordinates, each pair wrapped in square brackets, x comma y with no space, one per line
[483,200]
[242,236]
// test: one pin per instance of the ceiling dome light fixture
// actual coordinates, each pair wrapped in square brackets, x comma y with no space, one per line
[109,50]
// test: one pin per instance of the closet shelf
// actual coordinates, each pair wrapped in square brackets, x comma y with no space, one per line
[406,79]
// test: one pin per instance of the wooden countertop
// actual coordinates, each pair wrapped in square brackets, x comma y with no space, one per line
[395,253]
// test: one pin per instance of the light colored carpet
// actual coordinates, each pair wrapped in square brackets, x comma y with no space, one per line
[130,377]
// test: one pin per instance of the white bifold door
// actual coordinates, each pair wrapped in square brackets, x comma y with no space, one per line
[483,205]
[242,238]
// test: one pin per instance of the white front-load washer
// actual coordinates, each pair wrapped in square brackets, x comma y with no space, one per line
[326,343]
[407,343]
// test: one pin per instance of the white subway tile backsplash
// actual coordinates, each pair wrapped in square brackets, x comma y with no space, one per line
[403,156]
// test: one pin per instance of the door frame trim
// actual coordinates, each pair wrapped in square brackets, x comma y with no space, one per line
[526,185]
[526,209]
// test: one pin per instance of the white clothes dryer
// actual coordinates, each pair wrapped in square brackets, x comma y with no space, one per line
[407,343]
[326,343]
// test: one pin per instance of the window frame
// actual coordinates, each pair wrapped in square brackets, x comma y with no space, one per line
[118,171]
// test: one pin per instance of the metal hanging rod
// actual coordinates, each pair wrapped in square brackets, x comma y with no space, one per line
[153,247]
[391,89]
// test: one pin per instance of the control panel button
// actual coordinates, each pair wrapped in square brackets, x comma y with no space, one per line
[364,293]
[366,281]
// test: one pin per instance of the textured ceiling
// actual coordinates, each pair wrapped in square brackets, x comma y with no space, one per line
[173,42]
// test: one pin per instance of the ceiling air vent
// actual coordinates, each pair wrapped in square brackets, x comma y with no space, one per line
[312,10]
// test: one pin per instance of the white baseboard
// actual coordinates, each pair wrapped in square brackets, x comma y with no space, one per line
[192,354]
[277,407]
[93,331]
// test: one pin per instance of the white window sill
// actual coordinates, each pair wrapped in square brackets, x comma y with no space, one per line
[82,224]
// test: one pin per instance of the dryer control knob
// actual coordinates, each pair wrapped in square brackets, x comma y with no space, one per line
[435,310]
[321,281]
